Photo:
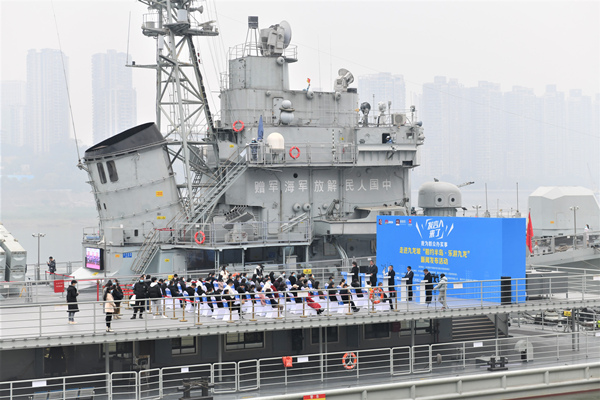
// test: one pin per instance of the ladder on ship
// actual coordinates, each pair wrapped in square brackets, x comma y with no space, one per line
[202,206]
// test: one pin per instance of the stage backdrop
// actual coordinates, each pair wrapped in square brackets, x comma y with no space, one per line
[465,249]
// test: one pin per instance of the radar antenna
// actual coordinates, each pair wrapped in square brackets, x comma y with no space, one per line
[182,111]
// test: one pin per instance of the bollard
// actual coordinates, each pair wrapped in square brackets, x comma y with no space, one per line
[183,314]
[303,309]
[174,306]
[198,317]
[230,312]
[253,317]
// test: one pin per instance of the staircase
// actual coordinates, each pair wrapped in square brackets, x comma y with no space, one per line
[206,200]
[474,328]
[203,203]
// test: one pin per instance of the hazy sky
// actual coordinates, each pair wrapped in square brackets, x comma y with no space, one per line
[522,43]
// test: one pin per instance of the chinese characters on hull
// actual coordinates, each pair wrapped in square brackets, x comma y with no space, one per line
[322,186]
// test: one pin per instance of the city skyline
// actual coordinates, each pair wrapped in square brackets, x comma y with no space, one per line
[113,96]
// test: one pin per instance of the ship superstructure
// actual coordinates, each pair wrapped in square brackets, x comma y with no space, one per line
[278,174]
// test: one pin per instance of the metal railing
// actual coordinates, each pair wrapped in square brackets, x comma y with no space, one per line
[366,366]
[47,320]
[236,233]
[556,244]
[302,153]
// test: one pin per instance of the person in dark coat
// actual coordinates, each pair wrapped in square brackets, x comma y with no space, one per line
[72,308]
[391,275]
[354,271]
[409,276]
[155,295]
[345,295]
[373,271]
[428,286]
[118,296]
[293,278]
[140,290]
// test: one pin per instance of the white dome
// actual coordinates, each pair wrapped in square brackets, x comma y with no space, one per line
[276,141]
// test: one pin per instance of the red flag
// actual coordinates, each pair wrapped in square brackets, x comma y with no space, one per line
[529,233]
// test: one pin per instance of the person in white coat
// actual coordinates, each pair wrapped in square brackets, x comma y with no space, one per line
[441,286]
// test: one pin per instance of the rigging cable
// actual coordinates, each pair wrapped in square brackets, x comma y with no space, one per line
[62,59]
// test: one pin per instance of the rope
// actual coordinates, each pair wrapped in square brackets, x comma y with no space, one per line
[62,59]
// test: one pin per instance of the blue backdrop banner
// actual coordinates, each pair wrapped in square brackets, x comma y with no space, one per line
[465,249]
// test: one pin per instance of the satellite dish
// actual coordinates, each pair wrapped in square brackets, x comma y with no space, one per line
[287,34]
[346,74]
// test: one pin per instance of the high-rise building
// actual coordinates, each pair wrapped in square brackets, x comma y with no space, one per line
[481,135]
[580,122]
[554,117]
[13,103]
[520,132]
[442,110]
[383,88]
[47,122]
[113,96]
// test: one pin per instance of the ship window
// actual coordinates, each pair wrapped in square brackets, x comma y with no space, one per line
[101,173]
[421,327]
[377,331]
[135,232]
[183,345]
[332,334]
[122,350]
[240,341]
[112,171]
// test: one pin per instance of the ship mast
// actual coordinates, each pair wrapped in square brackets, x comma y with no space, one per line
[182,111]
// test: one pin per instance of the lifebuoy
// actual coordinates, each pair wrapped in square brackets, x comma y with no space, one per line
[376,299]
[349,360]
[196,237]
[292,152]
[241,128]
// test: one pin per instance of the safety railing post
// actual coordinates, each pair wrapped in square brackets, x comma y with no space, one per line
[146,303]
[230,303]
[303,309]
[94,316]
[40,320]
[481,292]
[278,307]
[197,311]
[391,361]
[349,310]
[253,300]
[174,300]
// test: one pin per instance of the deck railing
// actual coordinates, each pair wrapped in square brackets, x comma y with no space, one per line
[336,369]
[49,319]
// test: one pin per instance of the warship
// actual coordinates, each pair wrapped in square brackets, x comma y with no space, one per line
[276,175]
[279,176]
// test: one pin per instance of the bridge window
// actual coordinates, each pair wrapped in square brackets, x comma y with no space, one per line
[248,340]
[183,345]
[377,331]
[101,173]
[332,334]
[112,171]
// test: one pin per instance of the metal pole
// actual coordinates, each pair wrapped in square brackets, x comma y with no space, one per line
[321,350]
[37,268]
[574,208]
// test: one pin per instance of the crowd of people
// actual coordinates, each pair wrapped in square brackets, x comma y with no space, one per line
[235,291]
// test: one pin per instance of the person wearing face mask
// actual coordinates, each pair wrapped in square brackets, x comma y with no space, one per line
[140,290]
